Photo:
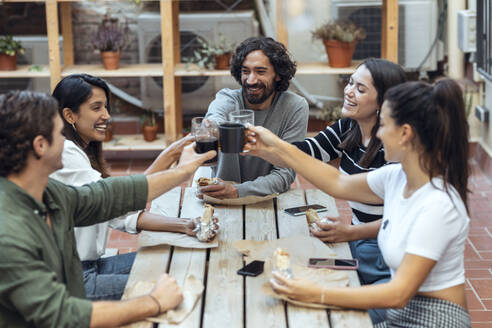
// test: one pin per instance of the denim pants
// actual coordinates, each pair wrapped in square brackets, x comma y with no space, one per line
[372,269]
[105,278]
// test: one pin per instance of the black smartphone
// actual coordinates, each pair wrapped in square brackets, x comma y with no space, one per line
[332,263]
[252,269]
[301,210]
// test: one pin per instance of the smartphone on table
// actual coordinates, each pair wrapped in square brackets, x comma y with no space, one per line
[252,269]
[301,210]
[333,263]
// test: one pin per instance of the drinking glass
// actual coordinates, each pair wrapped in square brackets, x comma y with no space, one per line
[242,116]
[206,135]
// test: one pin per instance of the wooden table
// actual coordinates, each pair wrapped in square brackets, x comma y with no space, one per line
[231,300]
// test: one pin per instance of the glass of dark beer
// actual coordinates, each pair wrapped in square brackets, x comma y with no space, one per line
[206,135]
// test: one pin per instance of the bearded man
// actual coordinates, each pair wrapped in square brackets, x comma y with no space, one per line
[263,68]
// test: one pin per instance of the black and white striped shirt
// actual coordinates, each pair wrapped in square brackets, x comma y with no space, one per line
[325,147]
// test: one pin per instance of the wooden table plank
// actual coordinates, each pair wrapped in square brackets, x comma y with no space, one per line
[157,256]
[261,310]
[187,261]
[225,294]
[339,318]
[289,225]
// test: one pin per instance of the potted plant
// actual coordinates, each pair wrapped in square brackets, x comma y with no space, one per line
[8,53]
[339,38]
[110,39]
[212,55]
[149,126]
[321,118]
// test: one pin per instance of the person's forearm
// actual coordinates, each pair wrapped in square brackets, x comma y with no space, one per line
[318,173]
[277,181]
[365,297]
[161,182]
[118,313]
[365,231]
[156,222]
[161,163]
[325,176]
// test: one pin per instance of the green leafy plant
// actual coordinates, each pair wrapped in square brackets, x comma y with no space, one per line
[111,35]
[35,68]
[148,119]
[203,57]
[344,31]
[9,46]
[330,113]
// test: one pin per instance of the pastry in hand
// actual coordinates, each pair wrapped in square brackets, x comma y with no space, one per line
[281,262]
[205,229]
[202,182]
[313,217]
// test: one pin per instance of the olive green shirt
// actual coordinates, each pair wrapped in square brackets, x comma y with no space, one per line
[40,271]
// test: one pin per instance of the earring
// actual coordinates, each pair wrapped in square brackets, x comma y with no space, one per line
[73,126]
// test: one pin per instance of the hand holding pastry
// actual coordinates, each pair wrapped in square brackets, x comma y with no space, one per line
[207,226]
[281,263]
[222,190]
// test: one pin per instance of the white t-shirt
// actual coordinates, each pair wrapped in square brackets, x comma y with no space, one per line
[77,171]
[429,223]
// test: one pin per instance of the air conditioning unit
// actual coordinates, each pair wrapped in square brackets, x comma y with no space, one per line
[417,28]
[35,53]
[197,91]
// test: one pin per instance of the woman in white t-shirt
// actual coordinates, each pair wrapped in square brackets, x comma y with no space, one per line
[84,107]
[425,221]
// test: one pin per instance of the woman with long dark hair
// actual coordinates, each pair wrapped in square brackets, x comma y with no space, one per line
[353,141]
[425,222]
[84,107]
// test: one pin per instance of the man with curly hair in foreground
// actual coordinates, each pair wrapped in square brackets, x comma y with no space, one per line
[263,68]
[41,274]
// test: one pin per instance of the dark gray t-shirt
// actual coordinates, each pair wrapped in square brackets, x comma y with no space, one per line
[287,117]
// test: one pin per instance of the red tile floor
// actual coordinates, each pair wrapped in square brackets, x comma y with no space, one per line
[478,251]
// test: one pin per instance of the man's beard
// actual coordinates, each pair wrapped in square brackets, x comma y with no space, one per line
[258,98]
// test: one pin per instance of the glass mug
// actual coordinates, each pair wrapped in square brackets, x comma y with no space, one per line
[206,137]
[233,133]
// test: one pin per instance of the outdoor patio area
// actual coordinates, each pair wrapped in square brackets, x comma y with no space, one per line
[380,108]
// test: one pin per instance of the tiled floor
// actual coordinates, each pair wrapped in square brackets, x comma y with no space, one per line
[478,251]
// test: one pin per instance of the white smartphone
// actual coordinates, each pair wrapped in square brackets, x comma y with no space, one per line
[301,210]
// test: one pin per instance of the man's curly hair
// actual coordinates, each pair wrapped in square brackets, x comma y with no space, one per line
[284,66]
[23,116]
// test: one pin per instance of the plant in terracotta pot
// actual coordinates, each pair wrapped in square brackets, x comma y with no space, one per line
[110,38]
[149,126]
[339,38]
[8,53]
[212,55]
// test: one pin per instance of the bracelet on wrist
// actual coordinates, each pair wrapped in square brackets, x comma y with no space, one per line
[159,310]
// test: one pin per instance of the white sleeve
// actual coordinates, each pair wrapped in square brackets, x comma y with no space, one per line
[127,222]
[378,178]
[435,227]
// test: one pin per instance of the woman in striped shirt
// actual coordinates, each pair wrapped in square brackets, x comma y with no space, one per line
[353,140]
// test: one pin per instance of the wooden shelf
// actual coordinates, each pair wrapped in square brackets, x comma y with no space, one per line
[193,70]
[23,71]
[324,68]
[130,142]
[134,70]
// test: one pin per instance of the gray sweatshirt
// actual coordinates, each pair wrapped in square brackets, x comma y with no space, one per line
[287,117]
